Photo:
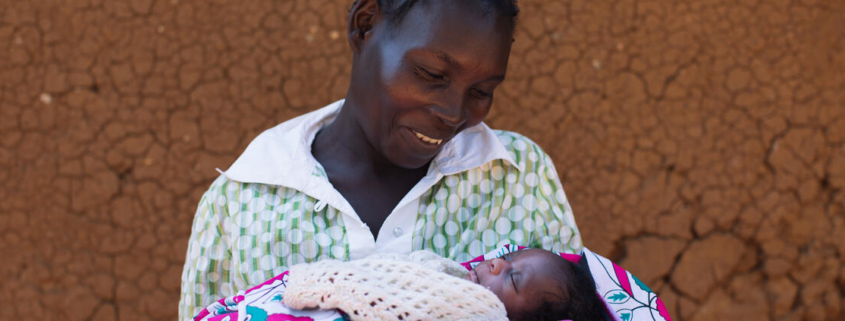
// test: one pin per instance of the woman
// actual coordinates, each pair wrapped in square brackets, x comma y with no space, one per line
[403,163]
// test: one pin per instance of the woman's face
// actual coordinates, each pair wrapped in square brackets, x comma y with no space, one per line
[418,83]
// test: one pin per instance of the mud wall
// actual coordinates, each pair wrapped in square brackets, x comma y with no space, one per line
[701,143]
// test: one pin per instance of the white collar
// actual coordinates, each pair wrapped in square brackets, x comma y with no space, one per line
[282,155]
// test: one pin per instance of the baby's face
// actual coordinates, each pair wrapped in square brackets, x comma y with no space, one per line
[518,278]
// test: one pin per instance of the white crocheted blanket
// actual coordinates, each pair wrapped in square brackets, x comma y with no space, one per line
[419,286]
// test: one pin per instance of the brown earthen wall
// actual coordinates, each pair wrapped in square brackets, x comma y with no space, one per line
[701,143]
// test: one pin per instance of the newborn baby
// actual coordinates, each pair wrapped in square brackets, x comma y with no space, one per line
[535,284]
[530,284]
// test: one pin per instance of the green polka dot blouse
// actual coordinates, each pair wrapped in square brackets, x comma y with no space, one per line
[275,208]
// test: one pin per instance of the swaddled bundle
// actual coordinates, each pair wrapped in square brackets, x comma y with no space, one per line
[530,284]
[419,286]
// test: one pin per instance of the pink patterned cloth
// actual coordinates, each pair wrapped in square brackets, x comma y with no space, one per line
[626,298]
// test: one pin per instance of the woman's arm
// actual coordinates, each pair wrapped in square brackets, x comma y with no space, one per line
[548,222]
[561,231]
[206,276]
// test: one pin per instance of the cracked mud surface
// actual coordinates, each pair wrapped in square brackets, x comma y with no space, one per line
[701,143]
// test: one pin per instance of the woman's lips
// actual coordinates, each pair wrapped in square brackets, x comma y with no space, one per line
[427,139]
[424,144]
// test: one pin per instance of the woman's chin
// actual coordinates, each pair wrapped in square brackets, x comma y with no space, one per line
[411,163]
[410,152]
[411,158]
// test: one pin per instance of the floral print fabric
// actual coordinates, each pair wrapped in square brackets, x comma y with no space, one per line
[623,301]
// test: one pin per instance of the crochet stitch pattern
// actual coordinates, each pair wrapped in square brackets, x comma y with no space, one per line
[408,288]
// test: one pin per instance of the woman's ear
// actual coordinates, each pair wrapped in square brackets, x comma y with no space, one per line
[361,21]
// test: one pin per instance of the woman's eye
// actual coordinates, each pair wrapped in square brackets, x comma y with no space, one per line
[481,94]
[428,75]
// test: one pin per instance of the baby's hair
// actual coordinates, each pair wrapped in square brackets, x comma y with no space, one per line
[576,298]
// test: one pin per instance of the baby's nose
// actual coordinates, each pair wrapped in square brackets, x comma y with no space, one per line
[499,265]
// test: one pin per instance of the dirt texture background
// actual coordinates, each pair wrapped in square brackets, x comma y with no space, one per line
[701,143]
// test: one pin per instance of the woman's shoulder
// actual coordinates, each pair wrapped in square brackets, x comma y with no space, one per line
[223,189]
[522,149]
[517,142]
[221,184]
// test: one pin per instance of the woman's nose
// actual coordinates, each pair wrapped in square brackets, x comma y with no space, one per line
[450,110]
[499,265]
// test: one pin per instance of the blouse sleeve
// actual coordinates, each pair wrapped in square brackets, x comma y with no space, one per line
[568,236]
[206,275]
[554,225]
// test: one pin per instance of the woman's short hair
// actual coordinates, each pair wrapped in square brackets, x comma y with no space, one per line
[396,10]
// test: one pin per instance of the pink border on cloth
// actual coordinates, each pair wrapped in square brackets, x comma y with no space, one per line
[279,277]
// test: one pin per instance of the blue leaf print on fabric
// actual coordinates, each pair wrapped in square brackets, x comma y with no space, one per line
[617,296]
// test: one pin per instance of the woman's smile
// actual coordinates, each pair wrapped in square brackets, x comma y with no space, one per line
[427,139]
[428,146]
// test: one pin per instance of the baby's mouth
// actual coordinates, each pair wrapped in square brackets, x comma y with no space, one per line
[473,276]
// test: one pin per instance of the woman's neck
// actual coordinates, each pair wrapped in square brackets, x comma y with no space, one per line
[368,181]
[343,147]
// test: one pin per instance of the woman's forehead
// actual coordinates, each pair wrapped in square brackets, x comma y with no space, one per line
[455,18]
[453,29]
[398,10]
